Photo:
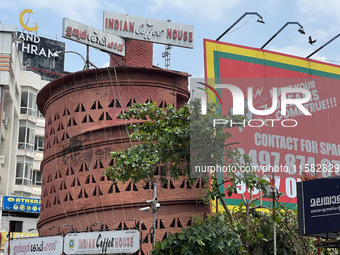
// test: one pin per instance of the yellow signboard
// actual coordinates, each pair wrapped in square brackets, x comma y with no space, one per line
[14,235]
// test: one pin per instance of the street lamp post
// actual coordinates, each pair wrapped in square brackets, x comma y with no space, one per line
[97,223]
[64,225]
[87,62]
[260,20]
[301,31]
[32,229]
[54,228]
[153,209]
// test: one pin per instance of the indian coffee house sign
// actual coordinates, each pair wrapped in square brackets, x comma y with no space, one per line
[93,37]
[145,29]
[52,245]
[107,242]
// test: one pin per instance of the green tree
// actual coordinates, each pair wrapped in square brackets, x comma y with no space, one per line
[207,236]
[163,138]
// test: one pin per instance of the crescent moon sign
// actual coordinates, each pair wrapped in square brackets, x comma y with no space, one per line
[22,21]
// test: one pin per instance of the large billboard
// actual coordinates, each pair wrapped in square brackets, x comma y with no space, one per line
[303,143]
[38,55]
[150,30]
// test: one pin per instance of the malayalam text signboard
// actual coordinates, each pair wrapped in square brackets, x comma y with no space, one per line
[319,207]
[294,145]
[108,242]
[16,235]
[22,204]
[93,37]
[52,245]
[151,30]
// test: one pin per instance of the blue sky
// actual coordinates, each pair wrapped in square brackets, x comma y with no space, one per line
[319,18]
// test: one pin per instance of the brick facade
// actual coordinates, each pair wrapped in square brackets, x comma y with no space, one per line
[138,54]
[82,129]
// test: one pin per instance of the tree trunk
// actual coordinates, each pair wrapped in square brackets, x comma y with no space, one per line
[225,206]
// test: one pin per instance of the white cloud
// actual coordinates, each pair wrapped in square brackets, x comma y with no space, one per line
[84,11]
[299,51]
[210,10]
[107,64]
[318,10]
[295,50]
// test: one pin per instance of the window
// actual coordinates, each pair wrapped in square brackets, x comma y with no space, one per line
[16,226]
[21,194]
[36,178]
[24,171]
[39,114]
[39,144]
[26,135]
[28,102]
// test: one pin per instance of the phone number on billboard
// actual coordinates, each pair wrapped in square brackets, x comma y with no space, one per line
[293,163]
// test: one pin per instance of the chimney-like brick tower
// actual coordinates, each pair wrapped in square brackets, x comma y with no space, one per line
[82,129]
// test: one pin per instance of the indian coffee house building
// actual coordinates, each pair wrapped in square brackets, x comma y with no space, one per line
[82,128]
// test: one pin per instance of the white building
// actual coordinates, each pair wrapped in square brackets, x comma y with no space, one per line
[22,133]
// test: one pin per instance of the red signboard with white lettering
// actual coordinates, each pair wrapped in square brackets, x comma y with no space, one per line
[294,146]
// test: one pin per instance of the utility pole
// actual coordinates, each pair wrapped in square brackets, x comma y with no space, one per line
[9,239]
[154,210]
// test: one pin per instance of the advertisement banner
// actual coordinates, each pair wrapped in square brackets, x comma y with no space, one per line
[150,30]
[52,245]
[38,54]
[320,207]
[122,241]
[14,235]
[93,37]
[22,204]
[290,106]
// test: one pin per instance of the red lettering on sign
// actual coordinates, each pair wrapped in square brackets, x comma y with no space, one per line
[110,23]
[132,27]
[180,34]
[174,34]
[185,37]
[168,33]
[125,26]
[83,34]
[75,32]
[69,31]
[190,37]
[116,24]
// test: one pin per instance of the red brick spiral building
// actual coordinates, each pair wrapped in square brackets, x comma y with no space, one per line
[82,129]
